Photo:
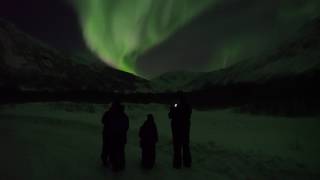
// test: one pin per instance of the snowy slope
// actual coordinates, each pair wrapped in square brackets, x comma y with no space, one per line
[294,58]
[31,65]
[173,81]
[298,56]
[63,141]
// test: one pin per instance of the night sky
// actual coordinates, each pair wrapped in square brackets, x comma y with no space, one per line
[148,37]
[52,21]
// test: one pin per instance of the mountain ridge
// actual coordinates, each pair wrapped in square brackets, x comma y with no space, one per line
[28,64]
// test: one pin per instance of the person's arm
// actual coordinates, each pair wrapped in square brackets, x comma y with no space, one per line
[156,133]
[127,122]
[170,114]
[141,132]
[189,111]
[104,118]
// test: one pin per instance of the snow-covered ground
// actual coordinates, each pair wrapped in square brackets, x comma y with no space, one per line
[63,141]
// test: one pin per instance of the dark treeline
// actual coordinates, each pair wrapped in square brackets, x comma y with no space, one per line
[291,96]
[287,96]
[83,96]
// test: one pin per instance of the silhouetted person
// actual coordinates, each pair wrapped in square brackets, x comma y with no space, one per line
[116,125]
[148,138]
[180,114]
[105,154]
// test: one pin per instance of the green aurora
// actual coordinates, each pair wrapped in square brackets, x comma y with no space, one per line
[120,30]
[150,37]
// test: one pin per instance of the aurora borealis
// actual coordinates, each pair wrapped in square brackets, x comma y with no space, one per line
[119,31]
[151,37]
[124,33]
